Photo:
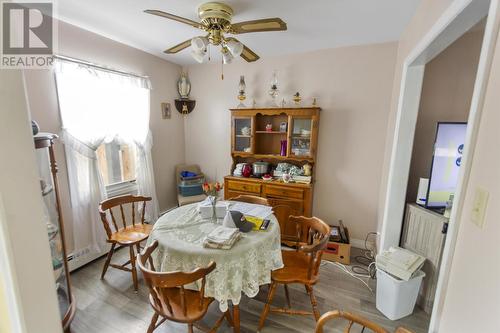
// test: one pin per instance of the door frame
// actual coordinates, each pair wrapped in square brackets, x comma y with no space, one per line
[460,16]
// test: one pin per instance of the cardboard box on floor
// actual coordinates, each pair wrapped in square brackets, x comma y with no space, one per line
[339,252]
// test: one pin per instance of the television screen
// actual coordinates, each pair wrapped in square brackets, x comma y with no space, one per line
[448,149]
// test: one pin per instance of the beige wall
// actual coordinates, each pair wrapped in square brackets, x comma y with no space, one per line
[168,135]
[446,96]
[472,300]
[353,87]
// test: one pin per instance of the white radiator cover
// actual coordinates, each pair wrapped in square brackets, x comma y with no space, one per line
[422,234]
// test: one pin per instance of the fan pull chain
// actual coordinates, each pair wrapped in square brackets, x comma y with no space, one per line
[209,52]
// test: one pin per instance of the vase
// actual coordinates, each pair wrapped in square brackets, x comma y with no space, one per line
[213,201]
[283,148]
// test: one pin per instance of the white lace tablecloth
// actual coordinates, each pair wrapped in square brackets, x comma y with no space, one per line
[243,268]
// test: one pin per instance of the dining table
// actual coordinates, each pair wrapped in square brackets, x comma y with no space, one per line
[242,269]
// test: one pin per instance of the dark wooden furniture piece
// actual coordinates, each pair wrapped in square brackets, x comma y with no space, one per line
[251,199]
[171,300]
[259,144]
[288,231]
[129,235]
[351,318]
[300,266]
[44,144]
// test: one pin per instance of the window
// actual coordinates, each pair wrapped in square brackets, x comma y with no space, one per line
[116,162]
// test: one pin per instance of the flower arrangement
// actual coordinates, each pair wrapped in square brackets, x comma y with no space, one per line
[212,191]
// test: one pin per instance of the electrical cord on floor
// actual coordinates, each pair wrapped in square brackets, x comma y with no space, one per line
[346,270]
[367,260]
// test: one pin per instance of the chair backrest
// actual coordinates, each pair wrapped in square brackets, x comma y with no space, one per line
[351,318]
[251,199]
[312,239]
[186,167]
[164,287]
[121,201]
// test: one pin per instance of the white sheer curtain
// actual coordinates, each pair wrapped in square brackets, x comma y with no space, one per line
[99,106]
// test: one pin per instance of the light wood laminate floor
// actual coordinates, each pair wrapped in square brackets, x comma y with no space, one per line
[111,306]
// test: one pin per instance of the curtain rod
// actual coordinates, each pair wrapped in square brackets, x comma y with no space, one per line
[87,63]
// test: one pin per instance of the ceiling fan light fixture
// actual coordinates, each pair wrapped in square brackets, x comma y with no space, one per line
[199,44]
[199,56]
[235,47]
[227,57]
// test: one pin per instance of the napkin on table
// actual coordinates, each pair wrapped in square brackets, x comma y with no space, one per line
[222,238]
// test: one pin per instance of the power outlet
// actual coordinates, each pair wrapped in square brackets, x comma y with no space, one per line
[479,206]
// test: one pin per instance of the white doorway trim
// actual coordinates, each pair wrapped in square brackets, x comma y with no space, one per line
[453,23]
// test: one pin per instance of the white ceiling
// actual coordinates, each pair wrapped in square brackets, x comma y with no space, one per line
[312,25]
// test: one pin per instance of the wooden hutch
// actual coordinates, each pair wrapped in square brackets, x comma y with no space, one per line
[252,142]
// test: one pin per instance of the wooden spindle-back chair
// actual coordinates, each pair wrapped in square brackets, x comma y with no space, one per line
[130,232]
[169,297]
[251,199]
[351,318]
[301,265]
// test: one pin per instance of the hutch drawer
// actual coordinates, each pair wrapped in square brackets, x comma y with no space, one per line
[286,192]
[243,187]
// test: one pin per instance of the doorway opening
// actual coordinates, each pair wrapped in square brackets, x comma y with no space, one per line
[456,21]
[441,125]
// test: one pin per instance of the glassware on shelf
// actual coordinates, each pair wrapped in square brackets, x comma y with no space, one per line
[301,137]
[283,147]
[297,99]
[241,92]
[243,134]
[273,91]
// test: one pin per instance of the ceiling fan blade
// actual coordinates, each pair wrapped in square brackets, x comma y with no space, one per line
[179,47]
[270,24]
[173,17]
[248,54]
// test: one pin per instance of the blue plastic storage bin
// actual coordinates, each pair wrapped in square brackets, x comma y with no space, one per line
[190,190]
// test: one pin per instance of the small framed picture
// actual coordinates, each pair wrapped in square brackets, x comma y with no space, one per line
[166,112]
[283,126]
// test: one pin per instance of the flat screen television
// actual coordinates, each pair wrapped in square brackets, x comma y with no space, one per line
[446,161]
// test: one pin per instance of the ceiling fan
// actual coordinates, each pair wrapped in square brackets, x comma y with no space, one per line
[215,19]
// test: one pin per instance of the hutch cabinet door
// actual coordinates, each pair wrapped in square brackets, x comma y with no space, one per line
[242,129]
[302,136]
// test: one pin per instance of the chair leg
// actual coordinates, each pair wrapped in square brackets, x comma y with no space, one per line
[314,303]
[229,319]
[134,270]
[152,325]
[108,260]
[236,315]
[267,307]
[287,294]
[190,328]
